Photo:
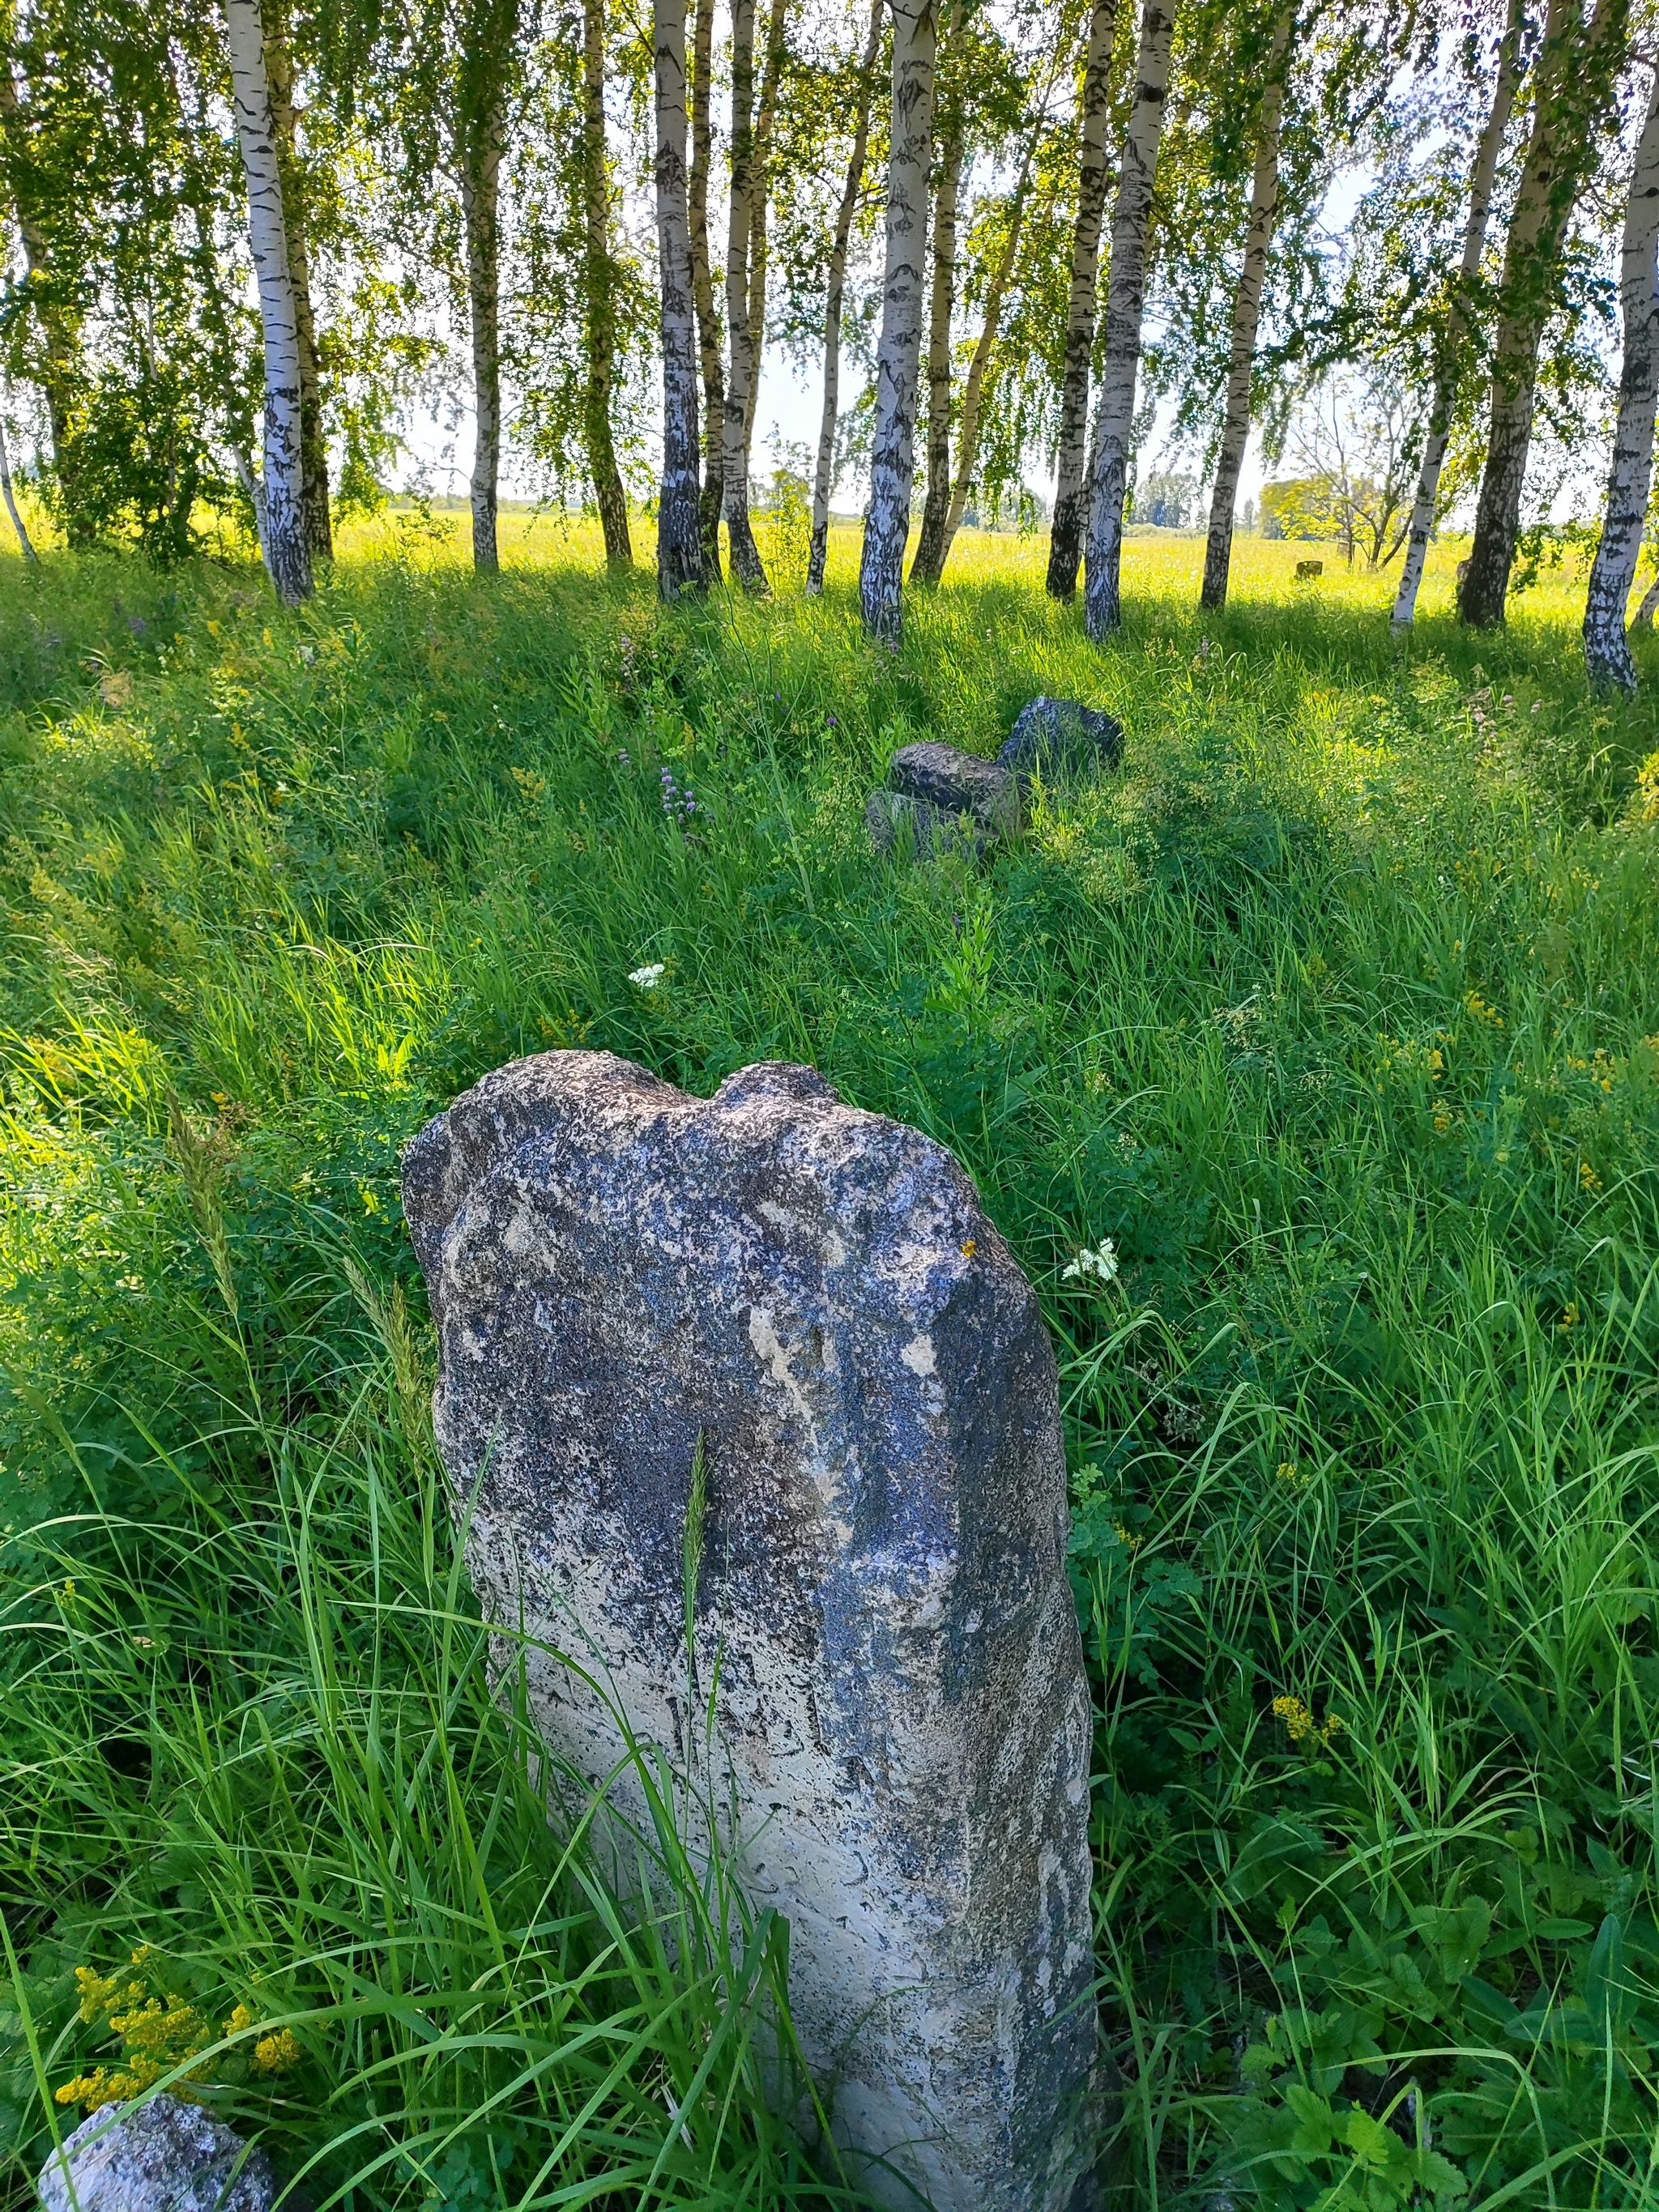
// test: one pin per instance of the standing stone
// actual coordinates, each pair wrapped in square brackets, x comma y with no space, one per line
[1064,739]
[619,1271]
[166,2155]
[948,798]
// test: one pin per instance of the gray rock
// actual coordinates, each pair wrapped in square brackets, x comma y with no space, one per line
[949,799]
[623,1274]
[166,2155]
[1064,739]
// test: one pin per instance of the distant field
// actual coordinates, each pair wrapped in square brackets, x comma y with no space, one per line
[1337,1012]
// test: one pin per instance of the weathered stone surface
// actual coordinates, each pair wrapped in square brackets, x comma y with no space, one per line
[1063,739]
[616,1270]
[166,2156]
[948,798]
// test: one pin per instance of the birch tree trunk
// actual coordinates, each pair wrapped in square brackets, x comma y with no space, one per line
[1571,72]
[1247,315]
[478,168]
[760,192]
[744,554]
[825,468]
[60,366]
[887,524]
[928,559]
[314,444]
[1065,535]
[25,545]
[1606,653]
[599,285]
[679,533]
[288,555]
[1642,618]
[1102,611]
[973,391]
[1456,338]
[709,341]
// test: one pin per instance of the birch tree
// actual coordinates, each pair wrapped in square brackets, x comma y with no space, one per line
[1124,304]
[1572,83]
[314,443]
[928,560]
[1448,354]
[710,338]
[887,523]
[679,532]
[1094,175]
[1607,649]
[489,32]
[599,302]
[1247,311]
[288,553]
[759,196]
[841,239]
[744,554]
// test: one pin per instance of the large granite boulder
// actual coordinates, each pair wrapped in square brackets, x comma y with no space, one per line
[942,799]
[164,2155]
[807,1303]
[1063,740]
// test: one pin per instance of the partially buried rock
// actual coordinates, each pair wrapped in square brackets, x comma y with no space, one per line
[798,1314]
[1062,740]
[166,2155]
[941,798]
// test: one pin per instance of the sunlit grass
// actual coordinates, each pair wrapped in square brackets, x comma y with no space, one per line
[1337,1011]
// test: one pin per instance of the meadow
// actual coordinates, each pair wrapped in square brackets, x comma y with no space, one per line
[1336,1012]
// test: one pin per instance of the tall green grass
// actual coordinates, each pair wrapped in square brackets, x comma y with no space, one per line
[1337,1012]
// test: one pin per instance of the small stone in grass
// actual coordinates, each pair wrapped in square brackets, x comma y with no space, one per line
[1063,740]
[164,2155]
[945,797]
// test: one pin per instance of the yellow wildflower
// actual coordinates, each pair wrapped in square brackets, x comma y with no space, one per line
[275,2054]
[1588,1178]
[239,2021]
[1299,1721]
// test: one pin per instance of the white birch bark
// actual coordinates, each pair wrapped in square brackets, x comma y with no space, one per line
[710,358]
[25,545]
[679,538]
[743,553]
[825,467]
[1094,172]
[1606,652]
[1642,618]
[1102,611]
[288,556]
[887,524]
[1481,178]
[1247,316]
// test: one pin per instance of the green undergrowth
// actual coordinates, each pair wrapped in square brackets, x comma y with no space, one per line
[1336,1014]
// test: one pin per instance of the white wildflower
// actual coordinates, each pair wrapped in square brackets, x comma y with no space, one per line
[648,978]
[1102,1265]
